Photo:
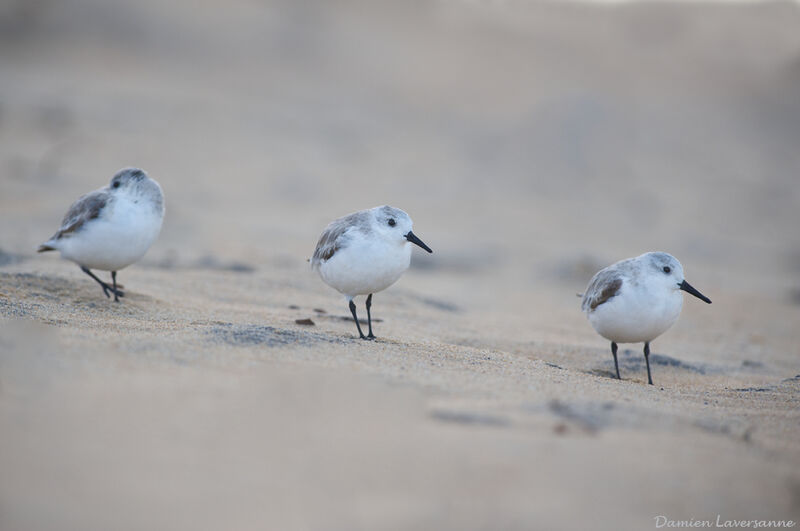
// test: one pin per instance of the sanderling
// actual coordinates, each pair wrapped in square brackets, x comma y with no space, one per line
[637,300]
[112,227]
[364,253]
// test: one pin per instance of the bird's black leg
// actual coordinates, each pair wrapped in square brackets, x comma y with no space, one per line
[106,287]
[355,318]
[647,360]
[369,316]
[614,352]
[117,292]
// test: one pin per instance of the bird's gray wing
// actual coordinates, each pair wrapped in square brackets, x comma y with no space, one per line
[86,208]
[335,237]
[604,286]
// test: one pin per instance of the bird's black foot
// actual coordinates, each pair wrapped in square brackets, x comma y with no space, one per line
[117,292]
[355,318]
[647,360]
[614,352]
[108,290]
[370,335]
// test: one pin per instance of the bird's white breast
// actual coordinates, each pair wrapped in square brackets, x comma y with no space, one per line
[366,265]
[121,235]
[636,314]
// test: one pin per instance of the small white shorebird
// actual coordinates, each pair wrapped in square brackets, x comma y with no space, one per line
[112,227]
[365,252]
[636,300]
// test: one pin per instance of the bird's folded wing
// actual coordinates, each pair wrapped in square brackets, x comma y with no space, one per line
[86,208]
[604,286]
[335,237]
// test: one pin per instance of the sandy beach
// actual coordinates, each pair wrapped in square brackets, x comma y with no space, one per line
[531,143]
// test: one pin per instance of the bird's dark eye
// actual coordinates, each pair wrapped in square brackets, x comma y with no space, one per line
[392,222]
[115,185]
[667,269]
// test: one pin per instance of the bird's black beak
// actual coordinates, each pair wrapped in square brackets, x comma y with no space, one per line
[685,286]
[413,239]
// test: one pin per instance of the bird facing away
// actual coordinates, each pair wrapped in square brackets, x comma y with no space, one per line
[636,300]
[365,252]
[112,227]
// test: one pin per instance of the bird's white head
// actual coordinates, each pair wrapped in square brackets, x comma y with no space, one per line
[135,182]
[128,179]
[394,225]
[665,270]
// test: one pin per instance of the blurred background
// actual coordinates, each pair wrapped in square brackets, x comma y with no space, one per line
[522,137]
[531,142]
